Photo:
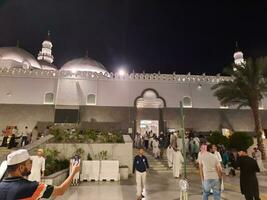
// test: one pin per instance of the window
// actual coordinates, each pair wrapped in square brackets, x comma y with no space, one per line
[261,105]
[187,102]
[91,99]
[49,98]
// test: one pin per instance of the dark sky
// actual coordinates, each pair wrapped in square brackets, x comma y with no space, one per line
[148,35]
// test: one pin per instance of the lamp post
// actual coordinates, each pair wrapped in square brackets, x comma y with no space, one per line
[183,183]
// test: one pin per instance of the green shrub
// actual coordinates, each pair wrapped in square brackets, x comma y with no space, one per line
[79,151]
[102,155]
[53,163]
[240,141]
[218,138]
[87,136]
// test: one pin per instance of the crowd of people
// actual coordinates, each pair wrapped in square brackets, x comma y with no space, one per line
[212,160]
[13,137]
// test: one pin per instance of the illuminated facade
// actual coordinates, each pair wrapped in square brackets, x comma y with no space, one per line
[34,91]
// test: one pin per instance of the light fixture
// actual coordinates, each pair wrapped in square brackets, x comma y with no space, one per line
[122,72]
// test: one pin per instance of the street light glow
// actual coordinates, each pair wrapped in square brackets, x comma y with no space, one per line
[122,72]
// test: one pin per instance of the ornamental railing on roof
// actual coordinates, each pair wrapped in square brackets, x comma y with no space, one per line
[36,73]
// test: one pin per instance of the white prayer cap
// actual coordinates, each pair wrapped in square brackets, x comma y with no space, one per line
[17,157]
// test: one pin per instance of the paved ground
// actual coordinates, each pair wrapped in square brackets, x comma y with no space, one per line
[159,186]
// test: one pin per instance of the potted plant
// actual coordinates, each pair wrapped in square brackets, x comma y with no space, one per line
[124,172]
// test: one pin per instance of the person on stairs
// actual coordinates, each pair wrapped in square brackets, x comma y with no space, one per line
[140,167]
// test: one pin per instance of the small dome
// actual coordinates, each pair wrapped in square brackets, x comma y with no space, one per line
[47,66]
[84,64]
[11,57]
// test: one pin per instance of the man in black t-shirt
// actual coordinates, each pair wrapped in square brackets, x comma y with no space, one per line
[15,186]
[248,180]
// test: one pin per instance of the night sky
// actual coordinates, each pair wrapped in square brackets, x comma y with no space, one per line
[148,35]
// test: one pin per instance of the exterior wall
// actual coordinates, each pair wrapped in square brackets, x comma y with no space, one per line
[106,117]
[21,90]
[29,87]
[213,119]
[25,115]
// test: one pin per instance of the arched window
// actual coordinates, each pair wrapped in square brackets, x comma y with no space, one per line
[49,98]
[91,99]
[187,102]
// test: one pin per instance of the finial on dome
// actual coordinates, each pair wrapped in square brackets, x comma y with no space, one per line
[17,43]
[48,37]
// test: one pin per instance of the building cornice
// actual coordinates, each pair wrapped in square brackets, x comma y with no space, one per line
[174,78]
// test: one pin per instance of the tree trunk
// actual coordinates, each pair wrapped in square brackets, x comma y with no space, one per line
[258,128]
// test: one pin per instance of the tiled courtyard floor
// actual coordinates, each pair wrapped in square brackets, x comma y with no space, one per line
[159,186]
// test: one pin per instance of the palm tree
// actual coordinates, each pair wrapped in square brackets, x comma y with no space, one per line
[246,88]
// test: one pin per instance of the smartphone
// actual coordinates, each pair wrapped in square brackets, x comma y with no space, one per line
[76,159]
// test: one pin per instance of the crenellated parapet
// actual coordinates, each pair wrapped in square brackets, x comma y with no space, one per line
[177,78]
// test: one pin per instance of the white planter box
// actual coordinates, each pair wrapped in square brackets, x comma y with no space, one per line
[124,173]
[109,170]
[90,170]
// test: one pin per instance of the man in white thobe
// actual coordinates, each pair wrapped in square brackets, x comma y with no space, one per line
[38,166]
[169,156]
[155,145]
[177,161]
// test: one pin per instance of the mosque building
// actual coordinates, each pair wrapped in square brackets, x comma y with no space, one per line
[36,92]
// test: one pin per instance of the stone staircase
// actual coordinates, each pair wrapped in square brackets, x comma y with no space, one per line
[161,165]
[157,165]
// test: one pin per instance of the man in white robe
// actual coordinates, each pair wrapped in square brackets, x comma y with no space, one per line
[155,145]
[38,166]
[169,156]
[177,160]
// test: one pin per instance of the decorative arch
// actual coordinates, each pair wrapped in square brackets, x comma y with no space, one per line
[157,96]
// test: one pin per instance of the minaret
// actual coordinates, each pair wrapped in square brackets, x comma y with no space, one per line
[46,53]
[238,56]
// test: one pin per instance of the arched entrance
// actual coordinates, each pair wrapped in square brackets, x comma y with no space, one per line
[149,112]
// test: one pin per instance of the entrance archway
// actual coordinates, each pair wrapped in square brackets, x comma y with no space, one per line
[149,112]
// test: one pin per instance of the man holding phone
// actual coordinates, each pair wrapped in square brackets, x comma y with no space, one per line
[15,186]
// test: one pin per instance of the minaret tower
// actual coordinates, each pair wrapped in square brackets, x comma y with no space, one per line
[238,56]
[46,53]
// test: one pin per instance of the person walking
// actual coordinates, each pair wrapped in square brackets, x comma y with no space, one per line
[169,153]
[146,139]
[15,186]
[177,160]
[140,168]
[248,180]
[25,134]
[162,143]
[195,151]
[211,174]
[155,146]
[38,166]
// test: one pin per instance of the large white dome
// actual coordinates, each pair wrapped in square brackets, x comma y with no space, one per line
[84,64]
[15,57]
